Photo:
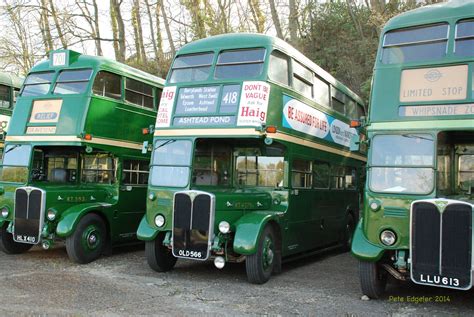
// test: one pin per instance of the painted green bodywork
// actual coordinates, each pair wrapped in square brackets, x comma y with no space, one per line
[305,219]
[384,119]
[115,127]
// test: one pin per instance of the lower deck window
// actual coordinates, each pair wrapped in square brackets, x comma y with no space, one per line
[135,172]
[264,171]
[98,168]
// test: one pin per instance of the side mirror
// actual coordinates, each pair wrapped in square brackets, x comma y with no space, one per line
[355,143]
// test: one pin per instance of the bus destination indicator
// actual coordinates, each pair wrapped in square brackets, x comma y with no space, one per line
[204,121]
[437,110]
[197,100]
[431,84]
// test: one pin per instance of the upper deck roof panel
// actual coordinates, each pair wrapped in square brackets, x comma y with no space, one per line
[78,60]
[446,11]
[251,40]
[10,80]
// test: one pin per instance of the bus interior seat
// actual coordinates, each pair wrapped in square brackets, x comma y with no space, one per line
[59,175]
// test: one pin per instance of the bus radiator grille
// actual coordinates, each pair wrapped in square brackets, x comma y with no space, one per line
[441,244]
[28,215]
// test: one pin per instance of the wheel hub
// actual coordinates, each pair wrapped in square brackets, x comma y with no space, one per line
[268,253]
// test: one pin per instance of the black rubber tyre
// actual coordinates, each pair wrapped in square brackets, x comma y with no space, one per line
[260,265]
[348,232]
[88,240]
[158,256]
[9,246]
[373,279]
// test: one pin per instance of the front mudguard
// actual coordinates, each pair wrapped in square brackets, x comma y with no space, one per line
[248,229]
[70,218]
[362,248]
[146,232]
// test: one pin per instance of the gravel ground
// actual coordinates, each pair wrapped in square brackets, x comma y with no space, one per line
[47,283]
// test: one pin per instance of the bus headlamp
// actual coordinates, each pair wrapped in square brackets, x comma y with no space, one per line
[375,205]
[5,212]
[388,237]
[224,227]
[159,220]
[219,262]
[151,196]
[51,214]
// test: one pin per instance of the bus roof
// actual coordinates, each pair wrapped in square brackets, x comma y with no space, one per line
[250,40]
[10,80]
[78,60]
[445,11]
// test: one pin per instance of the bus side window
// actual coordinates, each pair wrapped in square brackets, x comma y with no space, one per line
[338,100]
[321,175]
[321,92]
[302,79]
[108,85]
[301,174]
[4,96]
[138,93]
[360,111]
[98,168]
[278,68]
[135,172]
[350,178]
[16,93]
[351,108]
[158,93]
[337,177]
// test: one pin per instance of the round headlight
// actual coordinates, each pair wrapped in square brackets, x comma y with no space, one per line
[5,212]
[224,227]
[374,205]
[388,237]
[51,214]
[219,262]
[159,220]
[151,196]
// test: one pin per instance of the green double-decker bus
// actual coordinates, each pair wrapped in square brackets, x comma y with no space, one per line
[75,166]
[9,89]
[418,202]
[251,158]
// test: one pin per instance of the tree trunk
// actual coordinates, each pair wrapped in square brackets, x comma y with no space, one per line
[276,19]
[293,22]
[118,30]
[57,24]
[152,29]
[45,29]
[98,43]
[138,31]
[258,18]
[167,27]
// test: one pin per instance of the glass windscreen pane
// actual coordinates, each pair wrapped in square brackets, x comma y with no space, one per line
[401,180]
[39,78]
[464,47]
[71,88]
[185,61]
[413,53]
[169,176]
[403,150]
[466,172]
[278,68]
[190,74]
[74,75]
[411,35]
[35,90]
[241,56]
[465,28]
[17,154]
[172,152]
[239,71]
[4,96]
[13,174]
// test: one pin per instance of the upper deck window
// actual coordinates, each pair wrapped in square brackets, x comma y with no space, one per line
[5,96]
[139,93]
[37,84]
[338,101]
[302,79]
[464,38]
[108,85]
[321,92]
[191,67]
[415,44]
[72,81]
[278,68]
[246,63]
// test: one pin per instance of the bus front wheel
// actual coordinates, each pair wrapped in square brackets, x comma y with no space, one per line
[373,279]
[260,265]
[159,257]
[8,245]
[88,240]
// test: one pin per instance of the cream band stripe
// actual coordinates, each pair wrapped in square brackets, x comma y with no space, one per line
[100,141]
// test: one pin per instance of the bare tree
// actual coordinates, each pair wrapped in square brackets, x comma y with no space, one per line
[276,19]
[57,24]
[138,31]
[258,18]
[118,29]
